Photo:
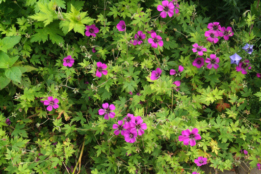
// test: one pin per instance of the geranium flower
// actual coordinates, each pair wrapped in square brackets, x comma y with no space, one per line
[139,37]
[258,75]
[189,137]
[212,36]
[51,103]
[106,111]
[243,66]
[195,173]
[155,40]
[212,61]
[91,30]
[200,161]
[138,125]
[198,49]
[177,83]
[227,32]
[166,8]
[176,6]
[216,27]
[7,121]
[129,136]
[121,26]
[119,128]
[248,48]
[93,50]
[235,59]
[198,62]
[244,151]
[101,69]
[68,61]
[258,166]
[130,93]
[172,72]
[155,74]
[127,120]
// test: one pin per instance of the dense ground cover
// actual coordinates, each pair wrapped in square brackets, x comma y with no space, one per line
[129,86]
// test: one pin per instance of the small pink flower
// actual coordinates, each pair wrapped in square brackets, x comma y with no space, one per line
[181,68]
[189,137]
[258,75]
[101,69]
[139,37]
[198,49]
[121,26]
[130,93]
[226,32]
[68,61]
[243,67]
[91,30]
[155,74]
[177,83]
[155,40]
[127,121]
[129,136]
[198,62]
[212,36]
[166,8]
[106,111]
[119,128]
[138,125]
[212,61]
[93,50]
[200,161]
[51,103]
[258,166]
[195,173]
[172,72]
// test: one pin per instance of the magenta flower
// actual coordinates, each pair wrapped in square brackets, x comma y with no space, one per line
[166,8]
[177,83]
[189,137]
[138,125]
[119,128]
[258,166]
[243,66]
[216,27]
[127,121]
[155,40]
[93,50]
[258,75]
[198,49]
[139,37]
[176,6]
[7,121]
[198,62]
[181,68]
[235,59]
[101,69]
[212,36]
[121,26]
[155,74]
[91,30]
[130,93]
[51,103]
[129,136]
[68,61]
[226,32]
[172,72]
[212,61]
[195,173]
[106,111]
[244,151]
[200,161]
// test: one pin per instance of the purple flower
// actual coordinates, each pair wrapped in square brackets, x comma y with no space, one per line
[121,26]
[181,68]
[258,75]
[243,66]
[139,37]
[130,93]
[258,166]
[226,32]
[138,125]
[155,40]
[248,48]
[212,36]
[176,6]
[235,58]
[106,111]
[212,61]
[101,69]
[177,83]
[7,121]
[93,50]
[91,30]
[198,49]
[215,27]
[244,151]
[55,143]
[155,74]
[195,173]
[129,136]
[68,61]
[127,121]
[189,137]
[198,62]
[200,161]
[166,8]
[52,103]
[172,72]
[119,128]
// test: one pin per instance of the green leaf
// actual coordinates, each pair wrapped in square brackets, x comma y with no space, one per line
[14,74]
[4,82]
[4,63]
[9,42]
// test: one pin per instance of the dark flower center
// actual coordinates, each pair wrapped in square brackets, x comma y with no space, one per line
[201,161]
[212,35]
[128,119]
[215,27]
[226,33]
[191,136]
[138,126]
[212,61]
[120,127]
[51,103]
[139,38]
[244,65]
[198,61]
[67,60]
[155,40]
[199,49]
[107,110]
[99,69]
[123,27]
[131,135]
[166,8]
[91,30]
[157,75]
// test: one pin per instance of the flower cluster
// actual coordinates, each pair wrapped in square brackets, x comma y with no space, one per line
[215,31]
[130,127]
[189,137]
